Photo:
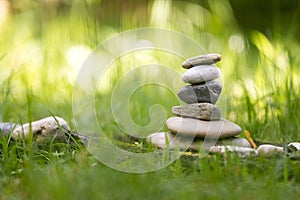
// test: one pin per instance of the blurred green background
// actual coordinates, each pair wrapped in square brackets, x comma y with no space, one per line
[44,43]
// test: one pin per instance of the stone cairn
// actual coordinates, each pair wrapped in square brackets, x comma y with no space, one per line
[200,117]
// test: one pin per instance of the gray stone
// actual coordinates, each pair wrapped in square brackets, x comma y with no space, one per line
[206,59]
[6,128]
[180,142]
[207,92]
[204,111]
[200,74]
[240,142]
[201,129]
[43,129]
[174,142]
[242,152]
[269,150]
[295,145]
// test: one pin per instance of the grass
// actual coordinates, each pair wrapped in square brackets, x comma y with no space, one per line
[40,55]
[73,173]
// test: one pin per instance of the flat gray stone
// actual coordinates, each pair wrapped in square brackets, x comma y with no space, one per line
[203,129]
[206,59]
[204,111]
[180,142]
[207,92]
[200,74]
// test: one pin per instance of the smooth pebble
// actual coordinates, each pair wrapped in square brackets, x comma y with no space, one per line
[200,74]
[295,144]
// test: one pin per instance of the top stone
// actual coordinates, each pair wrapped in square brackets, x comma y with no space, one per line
[206,59]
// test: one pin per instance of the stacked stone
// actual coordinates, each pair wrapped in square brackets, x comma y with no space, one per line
[200,117]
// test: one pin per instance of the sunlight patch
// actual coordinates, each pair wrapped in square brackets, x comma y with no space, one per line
[236,43]
[75,57]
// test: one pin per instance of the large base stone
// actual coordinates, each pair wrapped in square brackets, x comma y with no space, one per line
[201,129]
[179,142]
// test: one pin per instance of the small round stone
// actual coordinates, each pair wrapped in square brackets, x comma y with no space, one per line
[207,92]
[204,111]
[242,152]
[295,145]
[200,74]
[203,129]
[206,59]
